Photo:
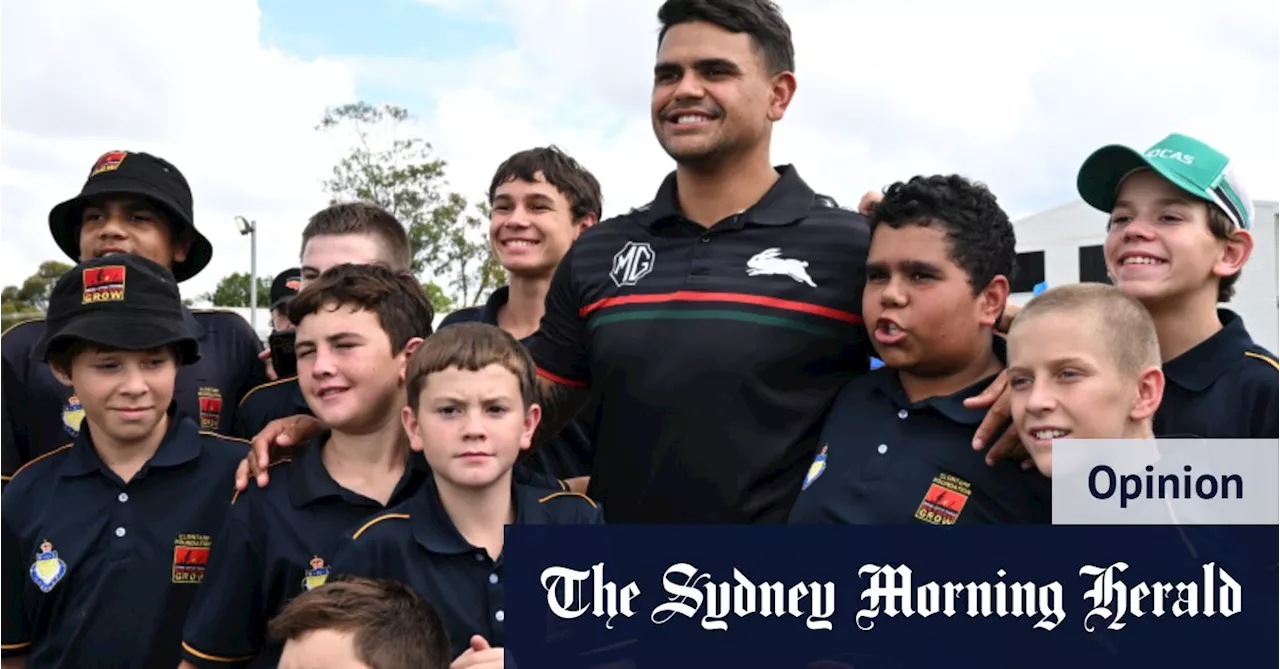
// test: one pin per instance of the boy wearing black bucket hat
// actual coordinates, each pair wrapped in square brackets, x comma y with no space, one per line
[132,203]
[105,539]
[1177,240]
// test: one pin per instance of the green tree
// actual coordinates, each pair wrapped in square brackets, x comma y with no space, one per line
[233,291]
[29,300]
[401,175]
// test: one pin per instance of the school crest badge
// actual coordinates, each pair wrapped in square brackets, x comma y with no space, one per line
[72,416]
[104,284]
[190,557]
[210,408]
[108,162]
[815,470]
[316,575]
[48,569]
[944,500]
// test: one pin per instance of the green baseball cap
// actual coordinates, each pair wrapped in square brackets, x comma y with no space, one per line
[1186,162]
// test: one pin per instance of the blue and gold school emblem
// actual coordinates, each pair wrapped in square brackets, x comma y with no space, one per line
[316,575]
[72,416]
[815,470]
[48,569]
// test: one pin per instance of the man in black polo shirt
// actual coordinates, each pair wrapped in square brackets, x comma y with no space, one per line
[139,204]
[541,200]
[105,539]
[716,323]
[893,445]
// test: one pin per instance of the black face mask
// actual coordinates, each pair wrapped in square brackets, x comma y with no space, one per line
[283,358]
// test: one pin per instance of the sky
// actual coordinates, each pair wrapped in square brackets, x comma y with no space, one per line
[1015,95]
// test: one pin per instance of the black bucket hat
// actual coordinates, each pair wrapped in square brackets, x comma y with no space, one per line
[120,302]
[139,174]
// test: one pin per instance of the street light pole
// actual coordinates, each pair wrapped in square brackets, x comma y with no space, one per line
[247,227]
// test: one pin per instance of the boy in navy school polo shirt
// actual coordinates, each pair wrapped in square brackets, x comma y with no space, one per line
[1178,239]
[106,539]
[131,202]
[471,412]
[892,447]
[357,325]
[540,200]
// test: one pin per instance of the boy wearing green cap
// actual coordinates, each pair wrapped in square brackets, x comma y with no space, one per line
[1178,238]
[131,203]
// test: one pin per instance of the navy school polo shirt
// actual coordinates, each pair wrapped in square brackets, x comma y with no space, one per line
[267,402]
[417,543]
[277,542]
[41,414]
[569,454]
[99,572]
[1225,387]
[885,460]
[714,351]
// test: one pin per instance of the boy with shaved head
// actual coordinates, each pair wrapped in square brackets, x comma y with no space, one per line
[1084,363]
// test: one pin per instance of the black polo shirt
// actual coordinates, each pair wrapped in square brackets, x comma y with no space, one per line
[569,454]
[267,402]
[99,572]
[1225,387]
[714,351]
[417,543]
[44,414]
[277,542]
[887,461]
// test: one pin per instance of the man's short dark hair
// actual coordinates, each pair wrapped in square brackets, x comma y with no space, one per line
[759,19]
[978,230]
[391,627]
[396,298]
[574,182]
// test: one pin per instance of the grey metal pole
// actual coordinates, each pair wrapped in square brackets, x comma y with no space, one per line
[253,276]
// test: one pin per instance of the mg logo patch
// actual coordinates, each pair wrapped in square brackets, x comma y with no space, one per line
[632,263]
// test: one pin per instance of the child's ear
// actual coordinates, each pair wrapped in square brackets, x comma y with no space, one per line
[991,301]
[63,376]
[410,347]
[1150,392]
[532,416]
[409,419]
[1235,253]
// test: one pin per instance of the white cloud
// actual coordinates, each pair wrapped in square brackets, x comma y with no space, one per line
[187,81]
[1013,94]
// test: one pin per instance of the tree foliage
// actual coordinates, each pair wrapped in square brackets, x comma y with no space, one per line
[33,294]
[389,166]
[29,300]
[233,291]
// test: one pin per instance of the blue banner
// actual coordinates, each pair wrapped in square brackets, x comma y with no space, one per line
[873,597]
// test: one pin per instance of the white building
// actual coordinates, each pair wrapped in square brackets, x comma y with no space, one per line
[1064,245]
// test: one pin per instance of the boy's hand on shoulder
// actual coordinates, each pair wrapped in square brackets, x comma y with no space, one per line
[279,433]
[480,656]
[996,397]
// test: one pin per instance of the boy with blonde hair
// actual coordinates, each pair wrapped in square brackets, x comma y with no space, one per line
[1084,363]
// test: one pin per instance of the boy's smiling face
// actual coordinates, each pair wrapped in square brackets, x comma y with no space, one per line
[1065,384]
[346,370]
[471,425]
[125,394]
